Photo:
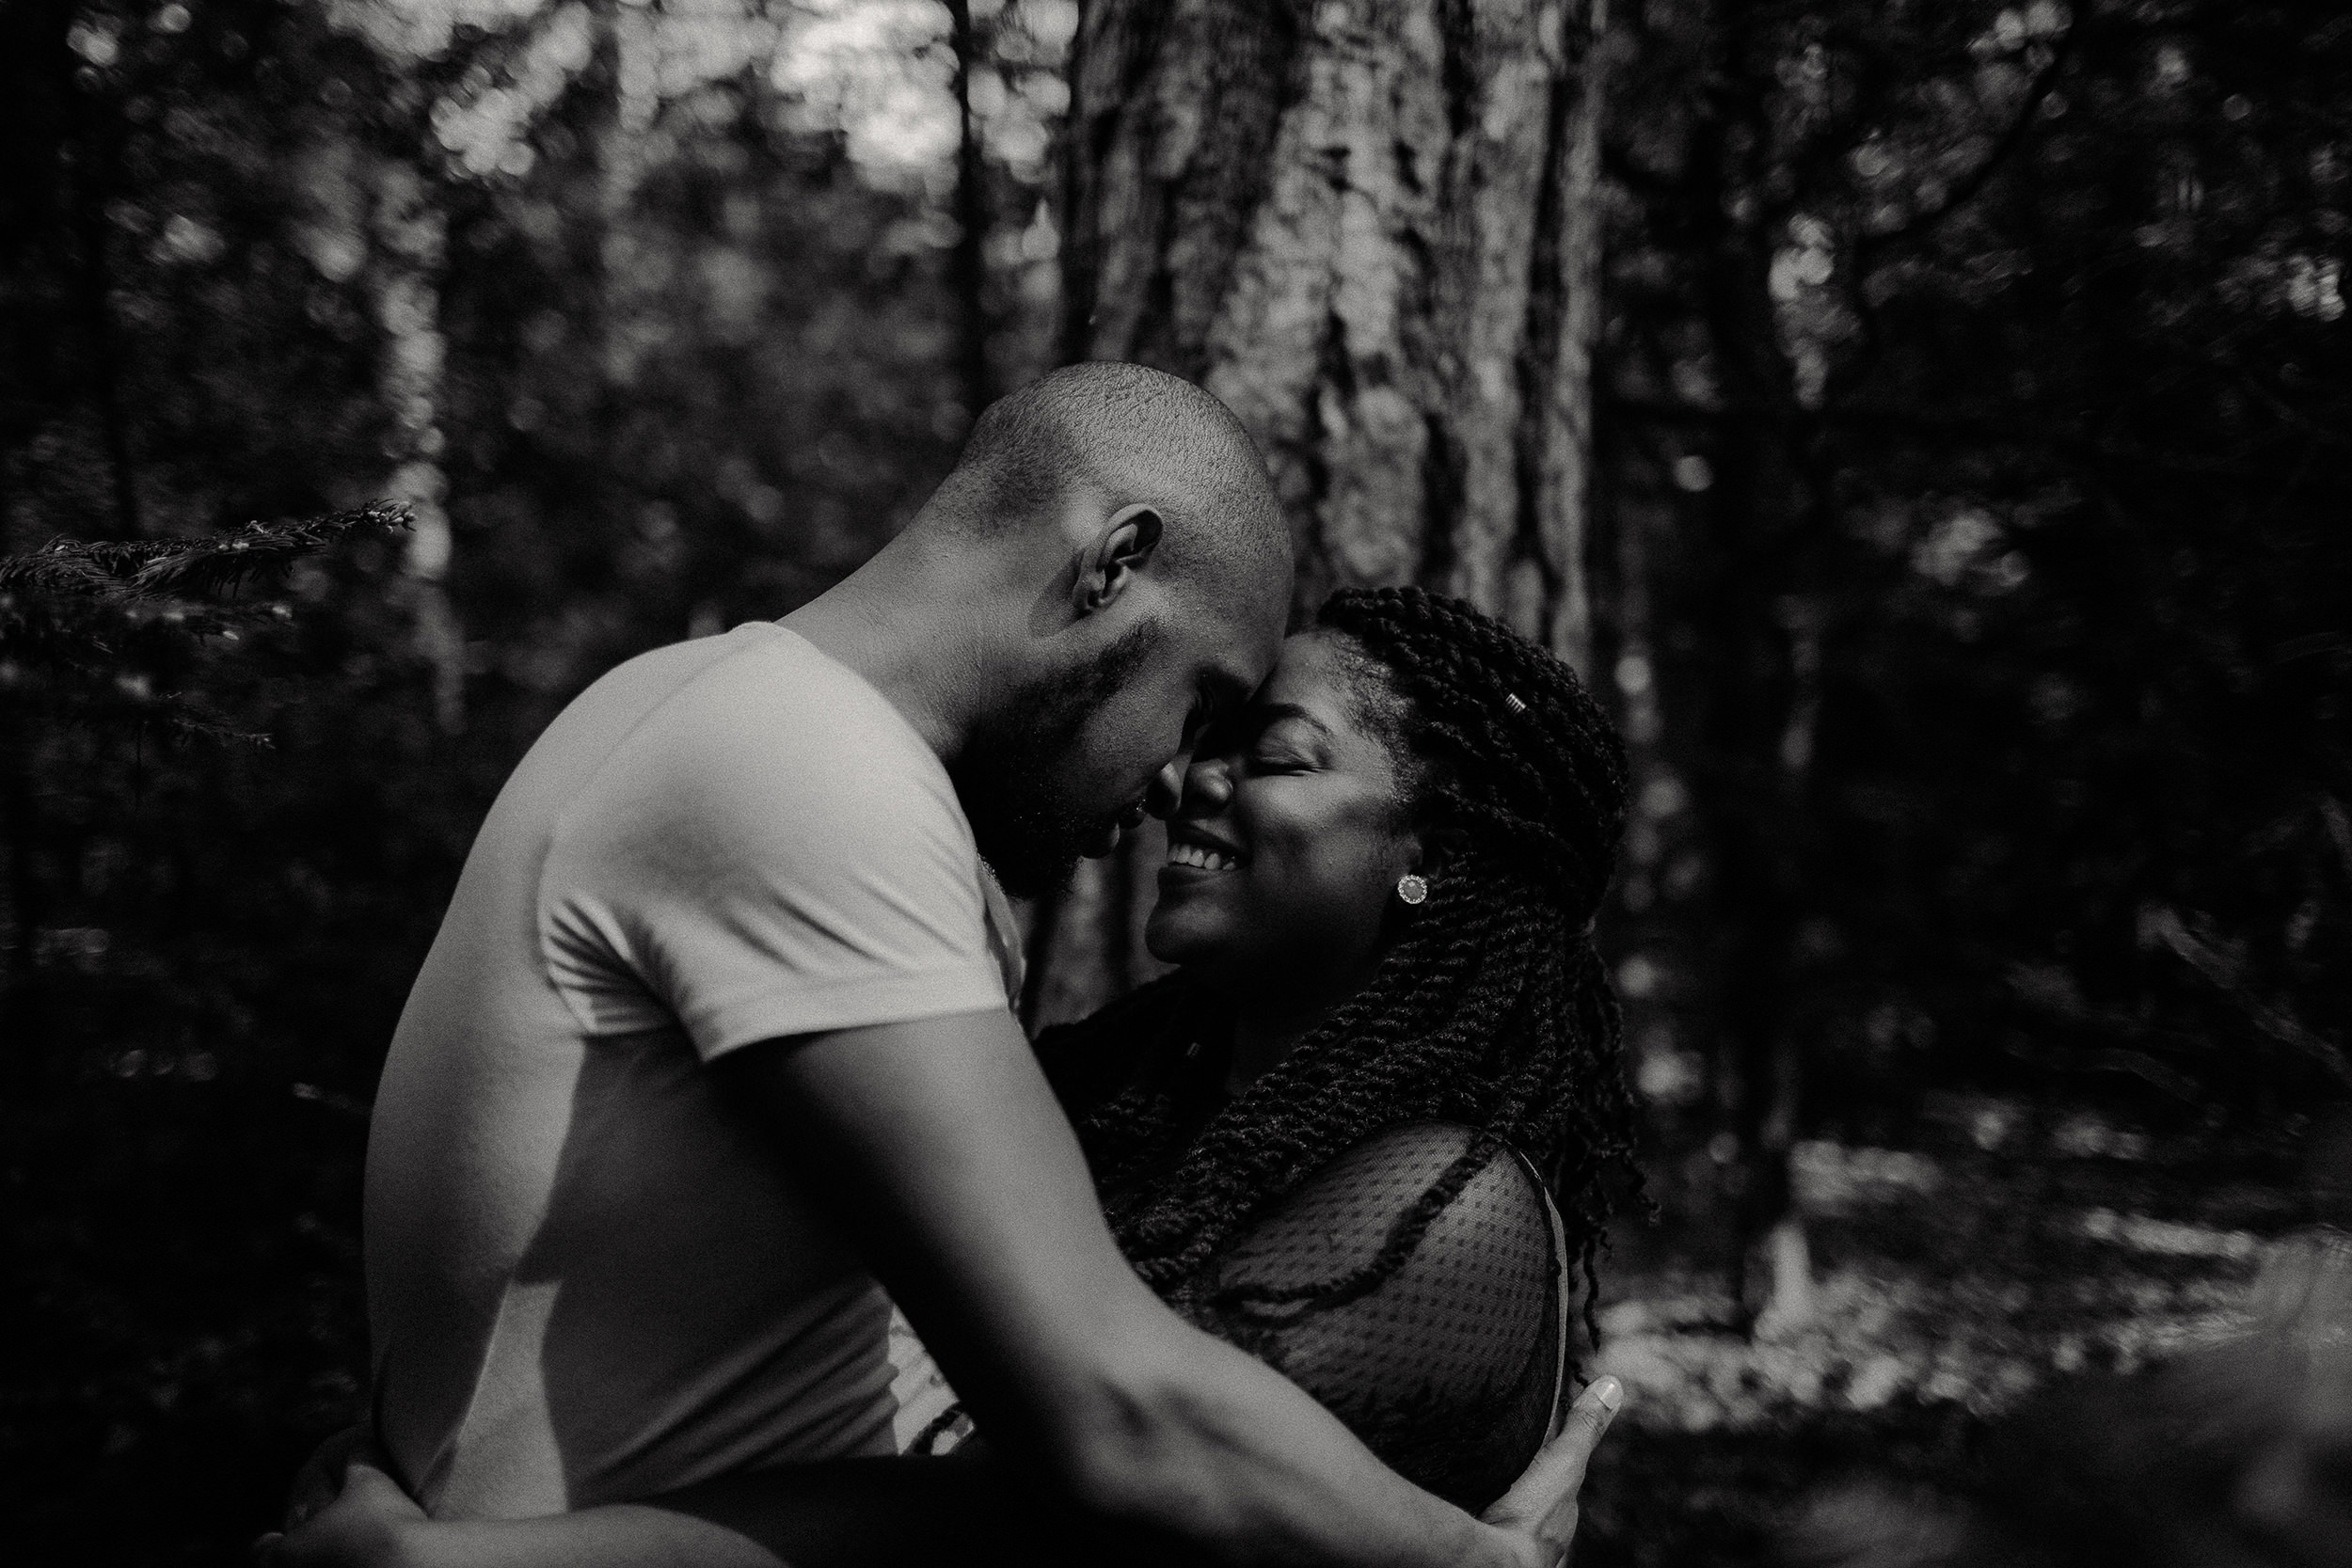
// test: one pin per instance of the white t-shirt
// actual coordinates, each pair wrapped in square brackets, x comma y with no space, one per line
[588,1277]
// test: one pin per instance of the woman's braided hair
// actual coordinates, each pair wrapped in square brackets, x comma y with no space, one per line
[1490,1009]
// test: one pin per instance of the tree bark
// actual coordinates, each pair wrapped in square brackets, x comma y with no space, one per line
[1368,225]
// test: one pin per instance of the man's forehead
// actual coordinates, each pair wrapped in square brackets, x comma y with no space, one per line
[1230,677]
[1235,643]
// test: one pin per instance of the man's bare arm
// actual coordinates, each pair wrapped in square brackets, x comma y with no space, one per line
[941,1147]
[1119,1433]
[847,1514]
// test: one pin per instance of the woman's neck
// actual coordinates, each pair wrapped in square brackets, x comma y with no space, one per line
[1269,1020]
[1258,1042]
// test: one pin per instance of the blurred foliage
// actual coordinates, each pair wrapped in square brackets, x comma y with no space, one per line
[1979,383]
[1971,558]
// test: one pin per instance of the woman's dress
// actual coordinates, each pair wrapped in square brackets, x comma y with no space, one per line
[1451,1368]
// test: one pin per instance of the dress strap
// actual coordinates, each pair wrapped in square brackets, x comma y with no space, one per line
[1560,1290]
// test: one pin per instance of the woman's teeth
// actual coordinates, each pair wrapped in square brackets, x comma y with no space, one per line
[1198,858]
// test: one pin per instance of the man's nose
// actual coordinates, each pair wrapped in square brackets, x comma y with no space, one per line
[1166,790]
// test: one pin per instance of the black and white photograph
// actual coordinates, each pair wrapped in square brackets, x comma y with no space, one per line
[1341,783]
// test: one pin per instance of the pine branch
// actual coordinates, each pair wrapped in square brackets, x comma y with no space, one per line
[86,624]
[216,563]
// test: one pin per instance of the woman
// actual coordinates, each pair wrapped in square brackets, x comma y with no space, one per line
[1379,887]
[1335,1133]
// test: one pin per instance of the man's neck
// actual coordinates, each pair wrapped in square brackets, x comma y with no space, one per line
[901,622]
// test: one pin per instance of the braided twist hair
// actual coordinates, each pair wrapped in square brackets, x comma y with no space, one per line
[1491,1009]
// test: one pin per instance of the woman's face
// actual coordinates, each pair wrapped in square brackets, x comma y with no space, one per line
[1285,851]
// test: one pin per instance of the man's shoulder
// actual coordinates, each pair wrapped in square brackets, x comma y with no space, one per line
[767,849]
[768,684]
[768,718]
[763,759]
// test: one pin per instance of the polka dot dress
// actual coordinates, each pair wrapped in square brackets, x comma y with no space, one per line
[1451,1368]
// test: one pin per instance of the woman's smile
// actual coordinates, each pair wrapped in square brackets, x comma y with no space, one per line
[1193,852]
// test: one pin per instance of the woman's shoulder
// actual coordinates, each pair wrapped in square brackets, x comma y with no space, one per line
[1422,1199]
[1362,1191]
[1414,1285]
[1429,1147]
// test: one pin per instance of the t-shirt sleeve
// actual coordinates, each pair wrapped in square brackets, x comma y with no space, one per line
[754,868]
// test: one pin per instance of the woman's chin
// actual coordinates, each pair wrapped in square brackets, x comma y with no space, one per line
[1176,933]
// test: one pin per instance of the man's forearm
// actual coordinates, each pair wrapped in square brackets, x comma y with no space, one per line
[1205,1499]
[1218,1448]
[846,1513]
[938,1142]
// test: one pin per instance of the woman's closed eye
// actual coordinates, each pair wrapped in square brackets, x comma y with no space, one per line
[1281,759]
[1287,743]
[1278,739]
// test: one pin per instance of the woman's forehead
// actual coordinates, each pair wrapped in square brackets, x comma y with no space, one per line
[1309,668]
[1324,673]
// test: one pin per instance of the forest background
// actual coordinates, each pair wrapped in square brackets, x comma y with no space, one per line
[1926,425]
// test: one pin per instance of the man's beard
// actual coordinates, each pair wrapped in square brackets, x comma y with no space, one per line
[1013,770]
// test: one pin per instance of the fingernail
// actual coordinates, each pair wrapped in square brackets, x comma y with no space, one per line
[1610,1392]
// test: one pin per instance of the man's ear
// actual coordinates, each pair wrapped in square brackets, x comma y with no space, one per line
[1120,549]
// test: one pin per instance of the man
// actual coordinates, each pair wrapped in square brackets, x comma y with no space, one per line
[716,1024]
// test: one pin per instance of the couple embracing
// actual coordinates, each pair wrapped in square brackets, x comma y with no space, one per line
[1269,1261]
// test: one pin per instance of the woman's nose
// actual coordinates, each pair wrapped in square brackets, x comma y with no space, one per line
[1208,784]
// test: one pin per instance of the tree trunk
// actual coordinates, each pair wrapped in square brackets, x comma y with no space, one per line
[410,233]
[1755,692]
[1368,225]
[92,153]
[968,266]
[23,1012]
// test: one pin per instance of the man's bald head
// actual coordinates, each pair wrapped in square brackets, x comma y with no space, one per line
[1123,434]
[1112,550]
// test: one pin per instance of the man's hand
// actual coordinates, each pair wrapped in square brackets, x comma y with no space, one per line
[321,1479]
[1541,1506]
[346,1512]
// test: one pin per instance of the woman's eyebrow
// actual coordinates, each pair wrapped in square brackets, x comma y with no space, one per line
[1265,716]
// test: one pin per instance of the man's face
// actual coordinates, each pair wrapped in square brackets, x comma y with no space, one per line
[1080,754]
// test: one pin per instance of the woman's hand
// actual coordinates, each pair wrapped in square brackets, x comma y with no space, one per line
[346,1512]
[1540,1509]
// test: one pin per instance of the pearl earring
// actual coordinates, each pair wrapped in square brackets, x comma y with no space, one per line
[1413,888]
